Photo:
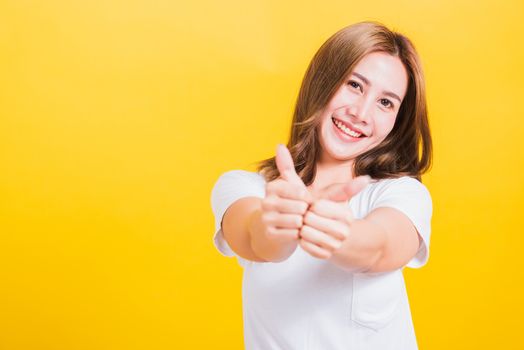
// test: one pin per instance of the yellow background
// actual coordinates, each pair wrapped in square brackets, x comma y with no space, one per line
[117,117]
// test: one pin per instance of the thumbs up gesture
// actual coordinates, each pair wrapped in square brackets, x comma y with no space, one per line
[321,222]
[287,200]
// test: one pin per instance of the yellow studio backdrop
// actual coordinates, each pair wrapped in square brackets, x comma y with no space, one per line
[117,117]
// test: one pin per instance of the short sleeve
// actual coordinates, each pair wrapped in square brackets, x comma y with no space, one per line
[230,187]
[413,199]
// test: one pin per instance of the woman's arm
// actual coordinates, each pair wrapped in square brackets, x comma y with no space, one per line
[385,240]
[235,227]
[245,232]
[267,229]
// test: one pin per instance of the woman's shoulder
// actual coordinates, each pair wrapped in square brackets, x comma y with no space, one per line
[242,175]
[400,188]
[235,183]
[400,182]
[405,193]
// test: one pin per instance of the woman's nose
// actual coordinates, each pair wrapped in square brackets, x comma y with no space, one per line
[361,108]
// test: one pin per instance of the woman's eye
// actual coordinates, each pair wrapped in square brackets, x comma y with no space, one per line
[386,103]
[354,84]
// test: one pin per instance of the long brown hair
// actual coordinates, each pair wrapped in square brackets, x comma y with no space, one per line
[406,151]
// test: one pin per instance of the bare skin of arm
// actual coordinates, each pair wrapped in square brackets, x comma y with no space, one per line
[245,232]
[384,240]
[235,226]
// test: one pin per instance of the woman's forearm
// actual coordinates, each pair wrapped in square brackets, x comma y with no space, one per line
[271,249]
[362,248]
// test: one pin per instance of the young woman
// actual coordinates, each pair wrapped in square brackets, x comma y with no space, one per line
[324,229]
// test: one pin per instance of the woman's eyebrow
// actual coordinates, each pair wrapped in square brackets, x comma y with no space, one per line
[366,81]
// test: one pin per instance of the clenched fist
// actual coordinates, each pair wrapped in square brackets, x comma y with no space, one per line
[286,202]
[320,222]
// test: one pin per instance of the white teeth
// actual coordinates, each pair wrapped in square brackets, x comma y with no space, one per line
[346,130]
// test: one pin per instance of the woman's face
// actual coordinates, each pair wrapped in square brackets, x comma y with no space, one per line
[363,110]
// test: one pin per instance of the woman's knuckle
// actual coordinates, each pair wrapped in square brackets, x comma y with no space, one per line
[346,232]
[306,229]
[308,217]
[322,254]
[334,245]
[302,243]
[298,220]
[302,207]
[266,217]
[274,200]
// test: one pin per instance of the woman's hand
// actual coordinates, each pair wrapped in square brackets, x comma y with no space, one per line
[326,225]
[287,200]
[290,214]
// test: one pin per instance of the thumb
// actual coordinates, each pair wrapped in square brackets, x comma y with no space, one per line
[286,167]
[343,192]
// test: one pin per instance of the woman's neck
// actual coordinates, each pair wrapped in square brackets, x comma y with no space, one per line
[330,173]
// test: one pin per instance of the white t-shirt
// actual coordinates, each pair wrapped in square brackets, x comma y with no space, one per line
[308,303]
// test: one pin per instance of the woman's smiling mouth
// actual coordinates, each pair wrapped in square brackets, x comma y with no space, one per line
[347,129]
